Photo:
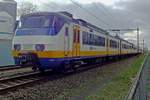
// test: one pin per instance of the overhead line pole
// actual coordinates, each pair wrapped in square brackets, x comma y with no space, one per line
[143,45]
[138,39]
[138,34]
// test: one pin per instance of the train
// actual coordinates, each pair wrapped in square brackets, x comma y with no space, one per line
[58,41]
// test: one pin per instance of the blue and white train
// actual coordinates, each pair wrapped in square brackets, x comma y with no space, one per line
[55,40]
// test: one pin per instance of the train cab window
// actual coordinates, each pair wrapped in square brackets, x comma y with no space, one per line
[36,21]
[58,23]
[46,23]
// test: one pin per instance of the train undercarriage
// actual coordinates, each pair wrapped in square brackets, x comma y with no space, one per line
[65,64]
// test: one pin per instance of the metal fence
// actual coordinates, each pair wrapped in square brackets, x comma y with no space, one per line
[138,90]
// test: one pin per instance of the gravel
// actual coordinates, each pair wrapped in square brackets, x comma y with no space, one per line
[73,87]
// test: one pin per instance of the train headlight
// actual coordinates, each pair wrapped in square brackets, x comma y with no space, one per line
[39,47]
[17,47]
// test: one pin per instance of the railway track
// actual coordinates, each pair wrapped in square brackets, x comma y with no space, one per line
[11,67]
[15,82]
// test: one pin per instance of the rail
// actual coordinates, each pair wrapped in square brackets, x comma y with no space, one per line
[11,67]
[138,90]
[11,83]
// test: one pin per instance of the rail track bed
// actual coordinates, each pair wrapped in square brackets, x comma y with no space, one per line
[7,84]
[11,67]
[14,70]
[72,86]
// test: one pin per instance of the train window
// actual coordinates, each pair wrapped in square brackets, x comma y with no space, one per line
[88,38]
[74,35]
[37,21]
[66,31]
[118,45]
[78,36]
[124,46]
[101,41]
[58,23]
[32,22]
[113,44]
[92,39]
[84,38]
[96,41]
[48,24]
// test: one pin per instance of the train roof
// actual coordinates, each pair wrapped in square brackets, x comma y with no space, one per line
[124,40]
[69,17]
[82,22]
[38,13]
[89,25]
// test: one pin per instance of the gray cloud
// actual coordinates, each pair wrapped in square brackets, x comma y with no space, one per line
[125,14]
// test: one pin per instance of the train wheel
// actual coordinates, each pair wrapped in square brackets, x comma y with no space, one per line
[77,65]
[34,68]
[65,69]
[42,70]
[23,64]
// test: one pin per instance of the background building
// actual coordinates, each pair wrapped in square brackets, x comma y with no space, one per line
[7,25]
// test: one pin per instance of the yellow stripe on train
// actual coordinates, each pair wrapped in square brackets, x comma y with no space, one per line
[62,54]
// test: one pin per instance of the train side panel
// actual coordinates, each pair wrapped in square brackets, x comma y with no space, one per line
[113,46]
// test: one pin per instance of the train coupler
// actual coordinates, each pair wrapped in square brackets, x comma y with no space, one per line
[29,59]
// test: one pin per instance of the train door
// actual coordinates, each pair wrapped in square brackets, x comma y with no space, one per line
[66,42]
[107,45]
[76,41]
[120,47]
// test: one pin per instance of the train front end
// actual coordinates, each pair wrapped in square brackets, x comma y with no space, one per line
[37,39]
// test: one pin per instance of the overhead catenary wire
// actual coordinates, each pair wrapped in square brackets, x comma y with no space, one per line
[43,3]
[97,7]
[106,12]
[117,23]
[48,5]
[89,12]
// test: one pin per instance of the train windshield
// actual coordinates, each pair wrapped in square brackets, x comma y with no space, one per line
[41,25]
[37,22]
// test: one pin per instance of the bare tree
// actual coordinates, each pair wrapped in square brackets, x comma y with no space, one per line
[25,7]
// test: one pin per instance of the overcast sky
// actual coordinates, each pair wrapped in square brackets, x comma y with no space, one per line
[106,14]
[106,2]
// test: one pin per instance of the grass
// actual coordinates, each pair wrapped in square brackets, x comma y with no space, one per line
[148,79]
[117,89]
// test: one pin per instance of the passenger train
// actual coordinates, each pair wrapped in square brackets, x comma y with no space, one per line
[57,41]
